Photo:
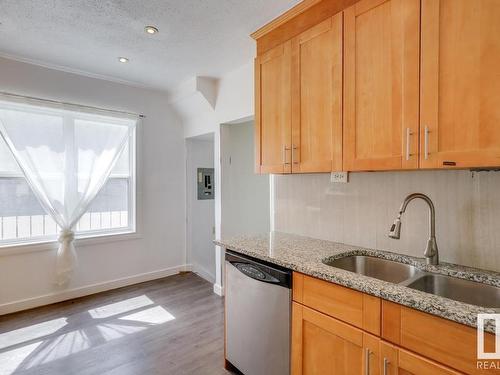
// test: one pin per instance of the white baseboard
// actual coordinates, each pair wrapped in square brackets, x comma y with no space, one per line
[203,273]
[219,290]
[47,299]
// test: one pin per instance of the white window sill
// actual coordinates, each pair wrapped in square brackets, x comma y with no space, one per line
[81,240]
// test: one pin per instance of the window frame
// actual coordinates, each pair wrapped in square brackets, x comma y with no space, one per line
[87,237]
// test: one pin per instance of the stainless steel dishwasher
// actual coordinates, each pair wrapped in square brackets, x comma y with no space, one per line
[258,305]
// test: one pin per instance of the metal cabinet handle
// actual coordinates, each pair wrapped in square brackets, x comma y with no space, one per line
[408,135]
[426,143]
[293,154]
[386,366]
[285,149]
[367,361]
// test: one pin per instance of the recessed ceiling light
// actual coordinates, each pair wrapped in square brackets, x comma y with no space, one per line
[123,59]
[151,29]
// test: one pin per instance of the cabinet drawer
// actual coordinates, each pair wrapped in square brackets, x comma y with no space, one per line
[353,307]
[442,340]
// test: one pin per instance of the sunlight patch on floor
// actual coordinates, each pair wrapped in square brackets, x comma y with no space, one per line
[39,344]
[32,332]
[153,315]
[111,331]
[59,347]
[10,360]
[120,307]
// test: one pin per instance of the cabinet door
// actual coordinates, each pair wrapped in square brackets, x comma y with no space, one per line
[396,361]
[273,110]
[460,92]
[372,357]
[322,345]
[381,78]
[317,98]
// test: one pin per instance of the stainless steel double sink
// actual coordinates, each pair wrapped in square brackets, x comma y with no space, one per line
[466,291]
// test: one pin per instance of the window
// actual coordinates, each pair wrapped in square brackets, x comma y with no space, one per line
[23,220]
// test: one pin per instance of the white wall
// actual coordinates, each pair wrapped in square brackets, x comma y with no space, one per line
[160,250]
[229,99]
[203,104]
[200,213]
[245,195]
[362,211]
[194,102]
[235,102]
[235,95]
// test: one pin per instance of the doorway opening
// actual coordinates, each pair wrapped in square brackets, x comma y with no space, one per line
[200,205]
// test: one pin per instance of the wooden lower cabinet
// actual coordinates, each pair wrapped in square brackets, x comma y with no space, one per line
[447,342]
[338,330]
[322,345]
[350,306]
[397,361]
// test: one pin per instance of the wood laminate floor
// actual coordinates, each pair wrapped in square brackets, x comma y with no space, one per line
[168,326]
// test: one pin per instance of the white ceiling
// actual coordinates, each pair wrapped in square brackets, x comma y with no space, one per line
[197,37]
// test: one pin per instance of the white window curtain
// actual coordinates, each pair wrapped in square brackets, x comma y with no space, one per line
[66,155]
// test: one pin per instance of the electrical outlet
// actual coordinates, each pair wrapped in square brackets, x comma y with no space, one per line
[339,177]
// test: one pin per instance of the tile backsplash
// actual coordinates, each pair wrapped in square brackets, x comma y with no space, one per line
[362,211]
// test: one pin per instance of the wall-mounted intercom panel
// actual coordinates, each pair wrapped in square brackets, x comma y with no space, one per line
[205,183]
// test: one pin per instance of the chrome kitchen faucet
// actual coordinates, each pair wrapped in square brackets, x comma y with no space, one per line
[431,253]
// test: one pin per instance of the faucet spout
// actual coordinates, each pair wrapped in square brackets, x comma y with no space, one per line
[431,252]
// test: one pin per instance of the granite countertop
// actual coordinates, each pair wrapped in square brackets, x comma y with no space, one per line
[305,255]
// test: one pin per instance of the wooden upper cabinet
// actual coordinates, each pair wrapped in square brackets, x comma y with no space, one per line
[273,110]
[381,85]
[317,98]
[460,89]
[421,86]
